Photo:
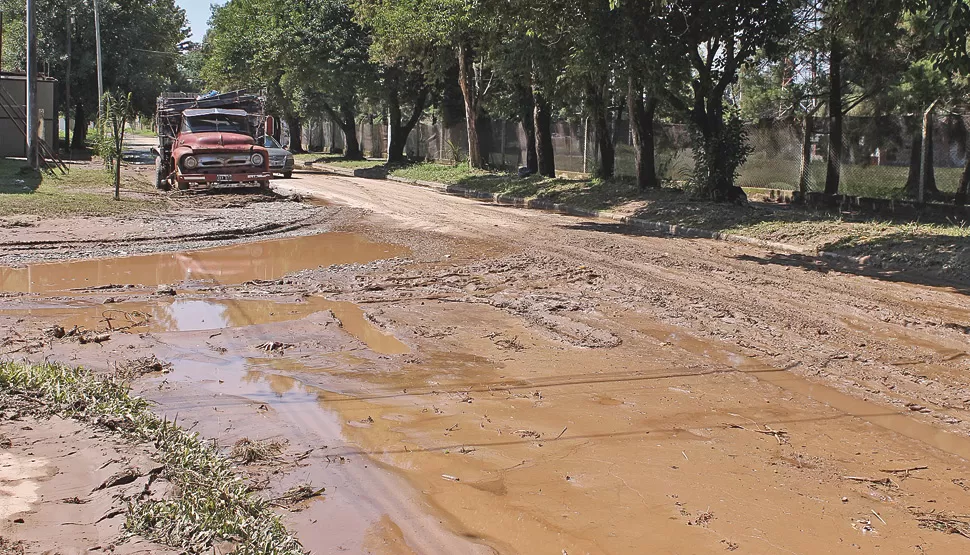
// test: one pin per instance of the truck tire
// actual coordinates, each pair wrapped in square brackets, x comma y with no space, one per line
[287,175]
[161,180]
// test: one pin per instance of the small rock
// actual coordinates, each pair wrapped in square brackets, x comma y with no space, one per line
[845,499]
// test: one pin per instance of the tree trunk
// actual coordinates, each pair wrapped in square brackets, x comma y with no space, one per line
[915,158]
[545,156]
[804,171]
[295,123]
[527,105]
[641,123]
[964,188]
[468,91]
[348,124]
[399,129]
[601,130]
[833,173]
[80,129]
[922,150]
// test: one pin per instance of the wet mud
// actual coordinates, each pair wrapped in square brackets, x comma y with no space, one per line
[534,403]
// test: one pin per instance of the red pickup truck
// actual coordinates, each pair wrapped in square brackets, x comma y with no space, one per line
[212,141]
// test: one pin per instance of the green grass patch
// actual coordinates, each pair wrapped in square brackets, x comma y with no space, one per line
[82,192]
[211,502]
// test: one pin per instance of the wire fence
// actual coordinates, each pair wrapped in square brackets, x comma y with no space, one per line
[880,154]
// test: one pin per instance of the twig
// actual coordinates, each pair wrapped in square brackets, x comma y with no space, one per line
[882,482]
[905,470]
[877,516]
[562,432]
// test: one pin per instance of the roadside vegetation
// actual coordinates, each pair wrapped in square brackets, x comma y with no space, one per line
[84,191]
[209,501]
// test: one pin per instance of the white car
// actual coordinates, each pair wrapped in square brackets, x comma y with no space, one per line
[280,160]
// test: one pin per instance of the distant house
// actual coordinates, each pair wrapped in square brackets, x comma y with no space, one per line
[13,107]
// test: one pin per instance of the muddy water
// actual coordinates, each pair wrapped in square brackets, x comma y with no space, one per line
[230,265]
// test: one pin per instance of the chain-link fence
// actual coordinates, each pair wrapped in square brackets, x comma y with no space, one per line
[880,154]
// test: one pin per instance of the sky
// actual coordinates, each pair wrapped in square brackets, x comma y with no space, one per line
[198,12]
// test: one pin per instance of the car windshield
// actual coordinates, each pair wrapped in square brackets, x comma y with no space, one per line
[216,123]
[271,142]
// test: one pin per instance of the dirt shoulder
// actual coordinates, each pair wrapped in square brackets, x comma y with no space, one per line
[940,246]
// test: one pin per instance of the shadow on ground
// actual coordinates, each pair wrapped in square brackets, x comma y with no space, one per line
[887,268]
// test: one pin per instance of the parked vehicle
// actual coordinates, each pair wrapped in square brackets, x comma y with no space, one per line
[210,141]
[281,161]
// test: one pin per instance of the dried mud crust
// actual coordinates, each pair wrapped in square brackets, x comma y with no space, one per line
[65,486]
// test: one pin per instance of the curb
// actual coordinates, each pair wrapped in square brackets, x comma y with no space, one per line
[647,225]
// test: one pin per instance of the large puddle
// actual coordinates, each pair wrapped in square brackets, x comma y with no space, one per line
[265,260]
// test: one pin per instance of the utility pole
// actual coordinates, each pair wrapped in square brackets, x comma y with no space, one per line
[97,48]
[67,84]
[32,123]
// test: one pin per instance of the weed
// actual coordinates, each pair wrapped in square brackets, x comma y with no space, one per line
[213,504]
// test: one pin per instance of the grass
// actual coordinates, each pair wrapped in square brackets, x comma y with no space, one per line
[82,192]
[211,502]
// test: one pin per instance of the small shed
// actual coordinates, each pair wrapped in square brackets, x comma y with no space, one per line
[13,97]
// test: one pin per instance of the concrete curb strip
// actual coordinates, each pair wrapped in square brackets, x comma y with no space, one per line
[663,227]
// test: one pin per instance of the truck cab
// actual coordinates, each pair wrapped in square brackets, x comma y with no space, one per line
[216,146]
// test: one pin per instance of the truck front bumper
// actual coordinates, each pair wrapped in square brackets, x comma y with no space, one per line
[216,180]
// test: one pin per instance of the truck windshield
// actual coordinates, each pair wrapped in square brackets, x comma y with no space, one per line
[216,123]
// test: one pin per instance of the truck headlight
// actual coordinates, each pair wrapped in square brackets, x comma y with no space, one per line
[190,162]
[257,159]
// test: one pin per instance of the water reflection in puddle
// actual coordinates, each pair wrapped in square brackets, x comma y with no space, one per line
[265,260]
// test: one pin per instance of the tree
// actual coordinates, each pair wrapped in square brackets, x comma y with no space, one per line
[950,21]
[249,46]
[721,37]
[862,38]
[431,37]
[332,68]
[140,41]
[116,113]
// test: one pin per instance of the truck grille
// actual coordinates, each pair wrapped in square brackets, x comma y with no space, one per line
[219,161]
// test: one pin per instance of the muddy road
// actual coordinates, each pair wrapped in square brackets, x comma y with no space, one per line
[470,378]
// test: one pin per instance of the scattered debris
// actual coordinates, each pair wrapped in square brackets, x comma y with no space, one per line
[274,347]
[298,494]
[247,451]
[780,435]
[165,290]
[877,481]
[93,337]
[905,471]
[702,519]
[528,433]
[944,522]
[122,478]
[510,344]
[138,367]
[450,477]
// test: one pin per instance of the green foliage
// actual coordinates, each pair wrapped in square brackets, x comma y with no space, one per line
[109,141]
[211,503]
[718,156]
[139,45]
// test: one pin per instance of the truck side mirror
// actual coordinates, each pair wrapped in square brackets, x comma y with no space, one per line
[270,126]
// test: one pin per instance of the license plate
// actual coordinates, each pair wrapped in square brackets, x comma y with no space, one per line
[223,178]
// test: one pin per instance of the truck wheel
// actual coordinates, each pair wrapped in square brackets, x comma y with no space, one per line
[182,186]
[287,175]
[161,180]
[264,185]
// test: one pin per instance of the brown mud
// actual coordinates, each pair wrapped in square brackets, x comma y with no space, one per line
[532,383]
